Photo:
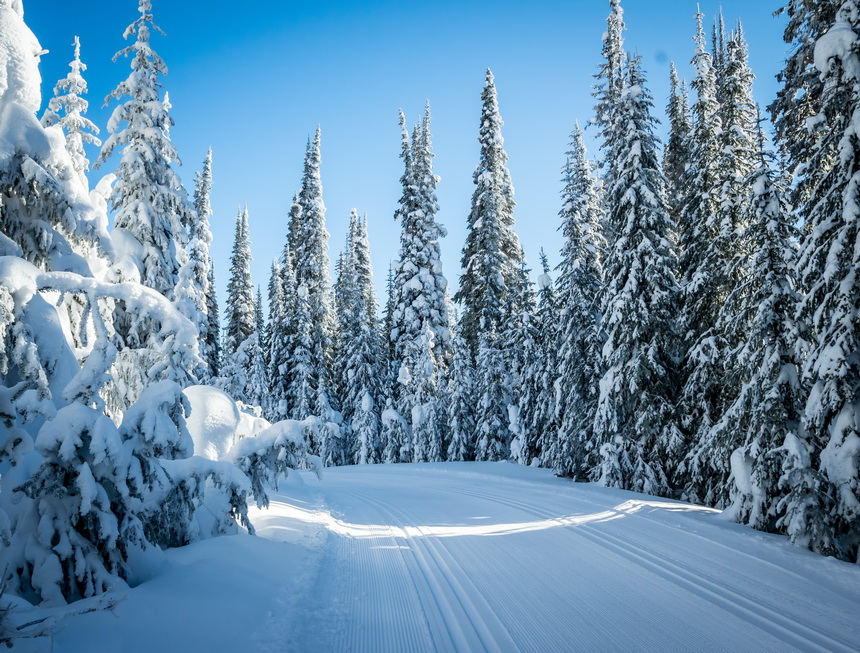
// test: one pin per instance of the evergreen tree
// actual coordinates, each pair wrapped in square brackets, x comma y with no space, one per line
[360,347]
[493,398]
[194,296]
[610,84]
[277,354]
[308,240]
[396,436]
[676,152]
[580,284]
[538,414]
[418,310]
[301,390]
[635,407]
[706,254]
[210,347]
[418,285]
[257,384]
[461,403]
[712,383]
[149,201]
[241,314]
[67,109]
[822,72]
[492,256]
[760,432]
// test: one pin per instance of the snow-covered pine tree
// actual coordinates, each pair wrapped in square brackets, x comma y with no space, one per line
[712,384]
[705,259]
[461,403]
[760,432]
[257,384]
[492,392]
[492,256]
[240,314]
[518,344]
[580,284]
[210,341]
[610,80]
[537,410]
[67,109]
[194,296]
[818,136]
[420,399]
[636,404]
[308,240]
[418,300]
[277,353]
[418,285]
[151,206]
[396,436]
[359,352]
[301,390]
[676,153]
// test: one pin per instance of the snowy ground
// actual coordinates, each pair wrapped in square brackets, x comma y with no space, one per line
[479,556]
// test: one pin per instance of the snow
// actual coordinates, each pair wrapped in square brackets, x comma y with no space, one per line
[838,43]
[213,421]
[544,281]
[479,556]
[19,59]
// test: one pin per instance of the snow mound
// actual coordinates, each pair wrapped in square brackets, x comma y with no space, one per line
[217,423]
[213,422]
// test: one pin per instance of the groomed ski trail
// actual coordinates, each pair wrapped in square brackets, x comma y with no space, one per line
[497,557]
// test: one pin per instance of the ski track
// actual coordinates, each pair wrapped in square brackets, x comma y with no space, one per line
[407,567]
[757,613]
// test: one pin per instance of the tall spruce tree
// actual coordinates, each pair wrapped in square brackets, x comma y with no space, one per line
[67,109]
[580,285]
[772,485]
[818,134]
[461,403]
[418,285]
[635,409]
[150,204]
[359,349]
[276,353]
[210,346]
[241,315]
[418,300]
[194,295]
[711,385]
[706,254]
[676,152]
[492,392]
[538,402]
[610,83]
[308,240]
[492,256]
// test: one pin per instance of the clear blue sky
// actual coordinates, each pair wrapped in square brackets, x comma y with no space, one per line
[253,79]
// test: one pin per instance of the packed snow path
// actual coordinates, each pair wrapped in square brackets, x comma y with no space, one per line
[482,557]
[500,558]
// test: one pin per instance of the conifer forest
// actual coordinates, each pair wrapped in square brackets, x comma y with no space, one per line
[695,352]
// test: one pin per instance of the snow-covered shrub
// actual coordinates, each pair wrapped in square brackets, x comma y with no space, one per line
[272,453]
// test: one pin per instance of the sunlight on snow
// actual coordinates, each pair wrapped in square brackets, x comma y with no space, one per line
[340,527]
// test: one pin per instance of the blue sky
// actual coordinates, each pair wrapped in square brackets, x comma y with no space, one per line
[254,79]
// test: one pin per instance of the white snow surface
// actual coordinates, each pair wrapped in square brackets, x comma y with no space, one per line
[216,422]
[479,557]
[19,59]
